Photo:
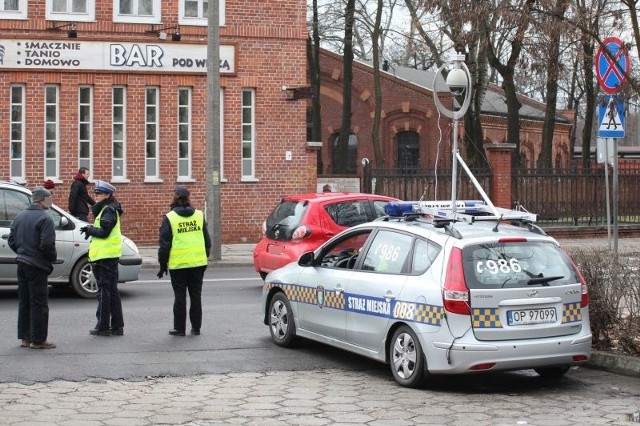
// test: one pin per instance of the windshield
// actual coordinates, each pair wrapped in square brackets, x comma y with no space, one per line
[521,264]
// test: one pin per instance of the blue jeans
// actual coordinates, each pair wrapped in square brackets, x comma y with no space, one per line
[109,312]
[33,303]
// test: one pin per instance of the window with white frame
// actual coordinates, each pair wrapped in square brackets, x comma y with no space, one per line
[17,105]
[184,132]
[195,12]
[138,11]
[13,9]
[85,126]
[248,133]
[152,131]
[119,132]
[51,131]
[71,10]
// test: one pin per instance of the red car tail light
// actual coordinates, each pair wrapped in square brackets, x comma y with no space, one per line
[456,293]
[300,233]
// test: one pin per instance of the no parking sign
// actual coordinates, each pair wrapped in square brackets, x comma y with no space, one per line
[612,65]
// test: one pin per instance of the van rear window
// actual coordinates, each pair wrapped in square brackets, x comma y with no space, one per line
[517,264]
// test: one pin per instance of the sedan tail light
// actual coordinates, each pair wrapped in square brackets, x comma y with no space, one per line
[300,233]
[456,293]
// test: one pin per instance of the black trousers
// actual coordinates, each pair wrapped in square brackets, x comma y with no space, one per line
[33,303]
[183,280]
[109,312]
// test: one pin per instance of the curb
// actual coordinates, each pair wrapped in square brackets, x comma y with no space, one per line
[625,365]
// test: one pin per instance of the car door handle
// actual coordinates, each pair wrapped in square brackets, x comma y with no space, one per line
[338,289]
[389,296]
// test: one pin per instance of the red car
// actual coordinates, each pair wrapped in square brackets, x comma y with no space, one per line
[301,223]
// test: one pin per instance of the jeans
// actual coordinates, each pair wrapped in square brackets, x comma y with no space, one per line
[109,312]
[182,280]
[33,303]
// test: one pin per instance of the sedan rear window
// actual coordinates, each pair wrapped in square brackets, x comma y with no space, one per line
[284,219]
[517,264]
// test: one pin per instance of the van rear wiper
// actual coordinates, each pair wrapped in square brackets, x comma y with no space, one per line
[543,280]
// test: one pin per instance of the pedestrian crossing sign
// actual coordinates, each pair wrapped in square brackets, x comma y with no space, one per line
[611,117]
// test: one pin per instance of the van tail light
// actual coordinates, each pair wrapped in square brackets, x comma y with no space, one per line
[300,233]
[584,300]
[456,293]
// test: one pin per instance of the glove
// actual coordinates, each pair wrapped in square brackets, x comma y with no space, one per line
[163,271]
[85,230]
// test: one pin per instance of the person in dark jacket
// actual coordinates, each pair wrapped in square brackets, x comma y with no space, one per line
[79,198]
[184,246]
[105,250]
[33,238]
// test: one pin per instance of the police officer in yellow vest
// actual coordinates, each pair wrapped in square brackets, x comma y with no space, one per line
[105,250]
[184,250]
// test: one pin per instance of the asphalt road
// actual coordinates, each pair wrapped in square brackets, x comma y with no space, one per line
[233,337]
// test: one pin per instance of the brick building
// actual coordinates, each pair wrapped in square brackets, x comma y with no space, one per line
[412,134]
[120,87]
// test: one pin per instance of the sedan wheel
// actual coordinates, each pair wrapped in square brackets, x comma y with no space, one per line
[406,358]
[82,279]
[281,324]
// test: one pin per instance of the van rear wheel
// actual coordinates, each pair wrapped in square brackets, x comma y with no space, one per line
[406,358]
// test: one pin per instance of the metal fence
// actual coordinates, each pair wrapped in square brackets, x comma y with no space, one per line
[577,196]
[430,183]
[559,197]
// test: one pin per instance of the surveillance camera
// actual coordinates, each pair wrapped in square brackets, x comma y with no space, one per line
[457,81]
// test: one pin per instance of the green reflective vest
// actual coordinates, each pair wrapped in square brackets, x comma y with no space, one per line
[106,248]
[187,246]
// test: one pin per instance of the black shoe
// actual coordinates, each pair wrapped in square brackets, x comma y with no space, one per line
[176,333]
[96,332]
[117,331]
[195,332]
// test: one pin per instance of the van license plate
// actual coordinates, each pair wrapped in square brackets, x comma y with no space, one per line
[531,316]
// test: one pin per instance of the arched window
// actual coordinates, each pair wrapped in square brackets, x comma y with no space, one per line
[352,151]
[408,144]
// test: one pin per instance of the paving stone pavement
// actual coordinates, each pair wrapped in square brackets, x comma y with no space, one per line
[320,397]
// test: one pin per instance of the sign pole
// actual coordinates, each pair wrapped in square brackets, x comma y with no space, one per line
[615,200]
[606,188]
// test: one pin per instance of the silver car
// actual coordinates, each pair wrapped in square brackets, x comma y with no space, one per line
[437,297]
[73,267]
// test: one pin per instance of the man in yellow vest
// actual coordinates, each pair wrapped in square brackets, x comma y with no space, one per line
[105,250]
[184,246]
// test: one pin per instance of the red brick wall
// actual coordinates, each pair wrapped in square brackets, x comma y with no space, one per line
[270,40]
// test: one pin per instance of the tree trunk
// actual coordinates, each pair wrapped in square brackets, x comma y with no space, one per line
[342,146]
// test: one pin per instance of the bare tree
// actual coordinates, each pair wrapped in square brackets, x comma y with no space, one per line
[375,129]
[342,145]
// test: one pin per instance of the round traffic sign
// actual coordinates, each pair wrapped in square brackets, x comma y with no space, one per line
[613,68]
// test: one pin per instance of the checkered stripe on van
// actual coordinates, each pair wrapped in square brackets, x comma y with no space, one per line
[571,312]
[486,318]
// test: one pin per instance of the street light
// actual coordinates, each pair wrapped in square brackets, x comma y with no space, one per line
[459,83]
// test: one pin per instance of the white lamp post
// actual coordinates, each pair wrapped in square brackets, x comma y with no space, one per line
[459,83]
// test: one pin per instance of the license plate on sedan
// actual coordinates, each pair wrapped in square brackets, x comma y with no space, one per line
[531,316]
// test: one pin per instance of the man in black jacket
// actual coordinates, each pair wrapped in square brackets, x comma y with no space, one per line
[33,238]
[79,198]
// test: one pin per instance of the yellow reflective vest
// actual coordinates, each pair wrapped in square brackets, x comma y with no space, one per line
[106,248]
[187,246]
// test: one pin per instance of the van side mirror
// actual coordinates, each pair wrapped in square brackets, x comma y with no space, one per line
[306,259]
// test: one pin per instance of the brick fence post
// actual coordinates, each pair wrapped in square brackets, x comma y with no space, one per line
[499,156]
